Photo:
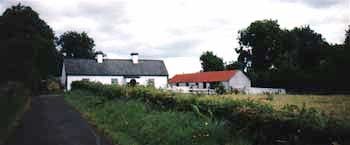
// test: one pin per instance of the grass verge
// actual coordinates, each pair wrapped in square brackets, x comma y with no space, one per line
[14,101]
[132,122]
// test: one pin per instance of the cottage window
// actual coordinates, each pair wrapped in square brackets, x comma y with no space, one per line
[187,84]
[150,82]
[204,85]
[114,81]
[177,84]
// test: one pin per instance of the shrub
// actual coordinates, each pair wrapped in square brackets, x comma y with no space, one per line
[53,86]
[270,97]
[139,125]
[13,99]
[258,118]
[220,89]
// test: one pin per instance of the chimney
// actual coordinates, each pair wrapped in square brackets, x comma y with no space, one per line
[135,58]
[99,57]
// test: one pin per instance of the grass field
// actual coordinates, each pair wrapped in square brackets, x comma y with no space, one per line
[337,106]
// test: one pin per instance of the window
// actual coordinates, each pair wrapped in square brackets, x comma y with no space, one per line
[86,79]
[196,84]
[177,84]
[204,85]
[150,82]
[187,84]
[114,81]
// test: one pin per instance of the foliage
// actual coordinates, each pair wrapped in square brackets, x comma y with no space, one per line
[140,125]
[13,98]
[235,66]
[211,62]
[260,119]
[347,37]
[263,39]
[76,45]
[27,44]
[220,89]
[270,97]
[298,59]
[53,86]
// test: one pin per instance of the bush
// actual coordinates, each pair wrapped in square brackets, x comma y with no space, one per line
[137,124]
[270,97]
[53,86]
[13,99]
[258,118]
[220,89]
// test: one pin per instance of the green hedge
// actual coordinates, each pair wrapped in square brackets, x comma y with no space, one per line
[132,122]
[292,124]
[13,99]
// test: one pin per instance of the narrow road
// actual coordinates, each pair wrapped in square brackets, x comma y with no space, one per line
[50,121]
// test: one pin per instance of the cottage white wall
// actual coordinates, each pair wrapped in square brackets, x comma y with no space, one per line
[239,80]
[159,81]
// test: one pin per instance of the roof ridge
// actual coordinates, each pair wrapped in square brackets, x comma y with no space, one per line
[207,72]
[130,59]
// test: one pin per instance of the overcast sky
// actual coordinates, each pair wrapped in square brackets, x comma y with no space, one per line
[178,31]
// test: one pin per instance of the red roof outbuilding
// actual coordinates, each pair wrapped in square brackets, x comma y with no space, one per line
[214,76]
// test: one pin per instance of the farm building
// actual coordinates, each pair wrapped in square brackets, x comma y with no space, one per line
[231,79]
[115,71]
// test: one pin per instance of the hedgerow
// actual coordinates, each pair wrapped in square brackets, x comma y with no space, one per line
[292,124]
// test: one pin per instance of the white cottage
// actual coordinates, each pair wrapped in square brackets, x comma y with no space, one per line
[231,79]
[115,71]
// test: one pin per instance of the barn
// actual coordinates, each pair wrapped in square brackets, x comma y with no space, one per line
[231,79]
[115,71]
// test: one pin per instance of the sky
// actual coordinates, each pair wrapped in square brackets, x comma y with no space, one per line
[179,31]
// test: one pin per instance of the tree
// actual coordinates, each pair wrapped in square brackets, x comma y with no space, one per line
[235,65]
[27,45]
[76,45]
[263,38]
[211,62]
[306,48]
[347,37]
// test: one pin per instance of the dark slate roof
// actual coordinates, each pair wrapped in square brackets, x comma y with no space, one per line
[118,67]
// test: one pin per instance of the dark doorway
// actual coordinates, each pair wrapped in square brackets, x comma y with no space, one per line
[132,83]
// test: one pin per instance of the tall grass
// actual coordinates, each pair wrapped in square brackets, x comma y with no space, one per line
[13,98]
[131,122]
[265,123]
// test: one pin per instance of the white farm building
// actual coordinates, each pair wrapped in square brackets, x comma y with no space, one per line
[115,71]
[231,79]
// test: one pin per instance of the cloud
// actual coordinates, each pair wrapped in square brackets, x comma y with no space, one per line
[179,31]
[320,3]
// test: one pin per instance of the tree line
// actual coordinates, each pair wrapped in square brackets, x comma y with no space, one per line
[30,51]
[300,59]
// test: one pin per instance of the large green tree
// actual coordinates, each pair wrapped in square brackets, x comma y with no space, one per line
[76,45]
[297,58]
[211,62]
[27,47]
[262,38]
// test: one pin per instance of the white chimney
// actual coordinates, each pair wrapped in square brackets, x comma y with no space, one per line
[99,58]
[135,58]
